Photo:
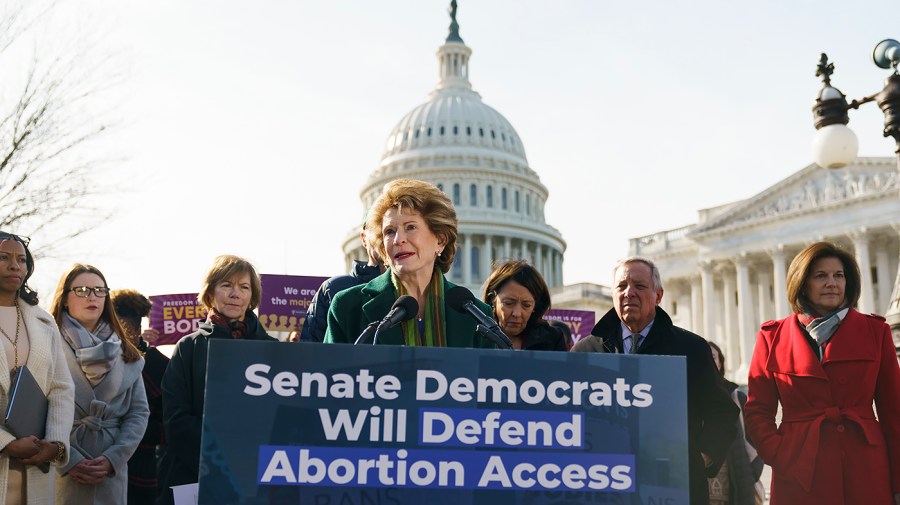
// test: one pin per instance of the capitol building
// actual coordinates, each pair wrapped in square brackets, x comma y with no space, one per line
[472,153]
[725,274]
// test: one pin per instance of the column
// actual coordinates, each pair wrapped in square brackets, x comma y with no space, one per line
[779,279]
[730,339]
[559,268]
[507,248]
[764,286]
[860,239]
[892,313]
[551,258]
[467,259]
[539,259]
[709,312]
[696,306]
[487,257]
[883,265]
[745,318]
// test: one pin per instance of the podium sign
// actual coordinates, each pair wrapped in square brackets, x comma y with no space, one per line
[340,424]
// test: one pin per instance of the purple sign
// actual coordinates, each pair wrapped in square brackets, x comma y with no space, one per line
[175,316]
[285,299]
[581,322]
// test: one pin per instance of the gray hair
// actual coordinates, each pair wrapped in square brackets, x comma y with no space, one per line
[654,272]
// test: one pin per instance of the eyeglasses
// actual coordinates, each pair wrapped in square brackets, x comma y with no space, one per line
[21,238]
[84,291]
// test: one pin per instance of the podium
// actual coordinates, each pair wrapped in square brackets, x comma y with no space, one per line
[289,423]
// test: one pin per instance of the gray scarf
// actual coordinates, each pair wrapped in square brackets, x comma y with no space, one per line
[97,352]
[821,329]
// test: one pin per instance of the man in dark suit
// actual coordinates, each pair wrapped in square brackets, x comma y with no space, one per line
[636,324]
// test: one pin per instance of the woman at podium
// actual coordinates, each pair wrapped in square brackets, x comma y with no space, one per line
[414,224]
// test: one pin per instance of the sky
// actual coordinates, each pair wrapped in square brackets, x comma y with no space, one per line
[250,128]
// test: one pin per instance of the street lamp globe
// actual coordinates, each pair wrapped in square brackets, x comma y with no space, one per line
[835,146]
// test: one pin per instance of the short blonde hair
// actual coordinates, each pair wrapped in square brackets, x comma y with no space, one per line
[227,267]
[435,207]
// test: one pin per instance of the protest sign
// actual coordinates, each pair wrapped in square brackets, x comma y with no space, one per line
[581,322]
[285,299]
[175,316]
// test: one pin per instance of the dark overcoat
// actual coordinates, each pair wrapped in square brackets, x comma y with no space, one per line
[712,415]
[183,387]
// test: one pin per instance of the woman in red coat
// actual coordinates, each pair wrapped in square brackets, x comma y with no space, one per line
[826,364]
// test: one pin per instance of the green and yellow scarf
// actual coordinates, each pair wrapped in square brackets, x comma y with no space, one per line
[435,327]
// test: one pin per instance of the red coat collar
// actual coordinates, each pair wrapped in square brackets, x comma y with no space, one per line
[792,355]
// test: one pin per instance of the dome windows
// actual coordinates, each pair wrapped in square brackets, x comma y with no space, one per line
[456,196]
[469,131]
[481,132]
[442,130]
[490,196]
[473,195]
[455,130]
[503,204]
[429,131]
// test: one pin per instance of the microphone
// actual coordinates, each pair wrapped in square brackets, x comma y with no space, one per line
[462,300]
[404,308]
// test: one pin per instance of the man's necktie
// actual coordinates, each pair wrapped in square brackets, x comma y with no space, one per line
[635,342]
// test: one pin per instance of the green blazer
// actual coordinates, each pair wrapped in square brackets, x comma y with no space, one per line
[353,309]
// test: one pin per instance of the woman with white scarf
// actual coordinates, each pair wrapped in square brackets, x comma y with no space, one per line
[111,408]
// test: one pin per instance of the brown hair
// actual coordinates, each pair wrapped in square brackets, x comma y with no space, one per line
[526,275]
[435,207]
[799,271]
[228,267]
[130,353]
[130,307]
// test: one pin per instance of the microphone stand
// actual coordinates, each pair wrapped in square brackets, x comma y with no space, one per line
[487,333]
[372,328]
[378,329]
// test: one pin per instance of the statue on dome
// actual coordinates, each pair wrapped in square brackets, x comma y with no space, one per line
[454,26]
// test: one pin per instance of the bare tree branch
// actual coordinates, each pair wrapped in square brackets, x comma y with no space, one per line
[47,169]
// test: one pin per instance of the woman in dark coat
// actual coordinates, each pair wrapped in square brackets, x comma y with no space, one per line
[735,484]
[414,226]
[520,299]
[827,365]
[131,307]
[231,291]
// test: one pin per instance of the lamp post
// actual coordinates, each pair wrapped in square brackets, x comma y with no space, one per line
[835,145]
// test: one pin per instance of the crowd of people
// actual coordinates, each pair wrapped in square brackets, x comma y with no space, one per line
[124,421]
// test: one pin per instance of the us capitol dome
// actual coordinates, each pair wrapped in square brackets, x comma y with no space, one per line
[472,153]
